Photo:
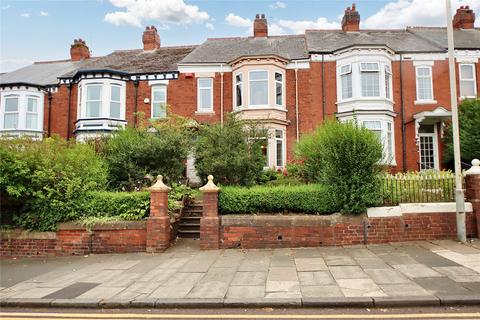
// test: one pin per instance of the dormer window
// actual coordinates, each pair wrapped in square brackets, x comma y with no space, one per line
[258,81]
[370,79]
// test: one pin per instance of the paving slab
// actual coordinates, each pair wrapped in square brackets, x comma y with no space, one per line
[254,264]
[282,274]
[282,286]
[310,264]
[459,274]
[246,292]
[283,261]
[328,291]
[372,263]
[34,293]
[444,286]
[183,279]
[101,293]
[386,276]
[397,258]
[360,288]
[316,278]
[340,261]
[209,290]
[178,291]
[219,274]
[72,291]
[427,257]
[249,279]
[307,253]
[348,272]
[404,290]
[417,271]
[472,286]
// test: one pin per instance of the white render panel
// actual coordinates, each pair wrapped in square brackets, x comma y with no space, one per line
[409,208]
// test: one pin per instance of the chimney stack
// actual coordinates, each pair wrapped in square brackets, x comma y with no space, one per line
[351,20]
[464,18]
[150,39]
[79,50]
[260,26]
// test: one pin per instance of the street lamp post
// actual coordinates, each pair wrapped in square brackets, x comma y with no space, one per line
[459,197]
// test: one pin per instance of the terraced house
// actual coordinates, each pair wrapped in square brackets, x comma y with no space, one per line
[394,82]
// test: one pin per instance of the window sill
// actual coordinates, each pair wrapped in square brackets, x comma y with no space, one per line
[420,102]
[204,113]
[260,108]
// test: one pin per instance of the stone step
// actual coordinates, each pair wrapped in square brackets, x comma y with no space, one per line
[188,209]
[188,233]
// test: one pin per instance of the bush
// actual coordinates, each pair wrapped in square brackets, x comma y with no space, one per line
[133,154]
[45,180]
[311,198]
[232,153]
[469,120]
[344,157]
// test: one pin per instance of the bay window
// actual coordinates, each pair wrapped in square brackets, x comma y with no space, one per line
[384,132]
[388,79]
[346,81]
[468,84]
[159,102]
[370,79]
[239,90]
[101,99]
[21,112]
[279,147]
[32,113]
[93,101]
[205,95]
[278,89]
[424,83]
[115,102]
[258,83]
[10,120]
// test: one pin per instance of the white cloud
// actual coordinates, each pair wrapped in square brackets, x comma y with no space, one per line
[5,7]
[278,5]
[165,11]
[43,13]
[402,13]
[237,21]
[25,15]
[209,26]
[7,65]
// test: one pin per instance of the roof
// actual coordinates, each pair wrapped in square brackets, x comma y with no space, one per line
[224,50]
[164,59]
[397,40]
[40,73]
[464,38]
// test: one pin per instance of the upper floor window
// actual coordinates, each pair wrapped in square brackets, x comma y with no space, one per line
[258,82]
[239,90]
[101,99]
[159,102]
[278,89]
[388,79]
[346,81]
[205,95]
[370,79]
[468,84]
[424,83]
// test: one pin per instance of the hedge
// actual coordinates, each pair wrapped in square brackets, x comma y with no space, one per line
[310,198]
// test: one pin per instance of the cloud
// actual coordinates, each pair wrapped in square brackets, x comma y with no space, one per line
[43,13]
[237,21]
[25,15]
[166,12]
[402,13]
[5,7]
[209,26]
[278,5]
[7,65]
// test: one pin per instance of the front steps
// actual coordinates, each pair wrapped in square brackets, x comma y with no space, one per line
[189,226]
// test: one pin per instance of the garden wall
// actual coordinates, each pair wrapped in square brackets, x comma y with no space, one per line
[380,225]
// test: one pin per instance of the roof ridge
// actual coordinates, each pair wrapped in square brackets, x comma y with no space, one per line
[167,47]
[51,61]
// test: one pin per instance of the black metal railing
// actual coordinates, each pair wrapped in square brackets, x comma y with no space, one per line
[416,187]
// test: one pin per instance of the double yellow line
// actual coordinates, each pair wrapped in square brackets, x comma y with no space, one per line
[91,316]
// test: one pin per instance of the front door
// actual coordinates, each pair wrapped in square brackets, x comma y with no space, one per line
[428,147]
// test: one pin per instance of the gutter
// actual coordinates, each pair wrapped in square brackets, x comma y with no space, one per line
[135,84]
[221,95]
[296,103]
[404,125]
[49,114]
[324,99]
[69,109]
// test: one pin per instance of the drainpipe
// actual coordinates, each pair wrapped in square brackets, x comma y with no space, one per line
[324,103]
[69,109]
[135,84]
[296,102]
[221,95]
[404,125]
[49,132]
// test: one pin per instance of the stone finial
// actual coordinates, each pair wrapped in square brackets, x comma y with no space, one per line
[210,186]
[475,169]
[159,186]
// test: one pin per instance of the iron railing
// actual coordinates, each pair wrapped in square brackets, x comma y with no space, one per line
[416,187]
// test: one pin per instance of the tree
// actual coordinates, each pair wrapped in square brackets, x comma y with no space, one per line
[232,153]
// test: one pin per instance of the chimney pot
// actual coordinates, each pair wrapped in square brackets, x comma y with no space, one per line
[351,19]
[464,18]
[150,38]
[260,26]
[79,50]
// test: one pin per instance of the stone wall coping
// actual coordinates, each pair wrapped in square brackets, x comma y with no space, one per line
[415,208]
[296,220]
[19,234]
[110,225]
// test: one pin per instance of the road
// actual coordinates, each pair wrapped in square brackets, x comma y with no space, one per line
[466,312]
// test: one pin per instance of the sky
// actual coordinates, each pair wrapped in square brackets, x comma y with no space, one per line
[42,30]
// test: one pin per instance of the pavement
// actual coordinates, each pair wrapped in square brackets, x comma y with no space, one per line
[398,274]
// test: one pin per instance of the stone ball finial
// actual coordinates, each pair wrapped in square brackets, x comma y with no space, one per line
[210,186]
[159,186]
[475,169]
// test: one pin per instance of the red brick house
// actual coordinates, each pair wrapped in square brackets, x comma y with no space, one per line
[394,82]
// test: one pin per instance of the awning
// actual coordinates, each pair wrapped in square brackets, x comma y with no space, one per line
[440,114]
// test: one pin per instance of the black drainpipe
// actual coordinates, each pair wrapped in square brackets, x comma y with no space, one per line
[404,126]
[68,110]
[135,83]
[49,132]
[323,88]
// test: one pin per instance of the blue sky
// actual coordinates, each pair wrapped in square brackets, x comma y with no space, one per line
[43,30]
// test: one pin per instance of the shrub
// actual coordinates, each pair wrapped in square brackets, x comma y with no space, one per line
[469,120]
[133,154]
[45,179]
[232,153]
[311,198]
[345,158]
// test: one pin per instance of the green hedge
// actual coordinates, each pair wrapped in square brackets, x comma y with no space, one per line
[311,198]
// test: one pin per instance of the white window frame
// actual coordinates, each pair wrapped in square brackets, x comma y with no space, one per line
[23,94]
[388,82]
[199,89]
[154,88]
[105,98]
[282,84]
[388,155]
[434,135]
[235,85]
[431,99]
[362,71]
[250,88]
[283,140]
[36,113]
[341,75]
[473,80]
[5,112]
